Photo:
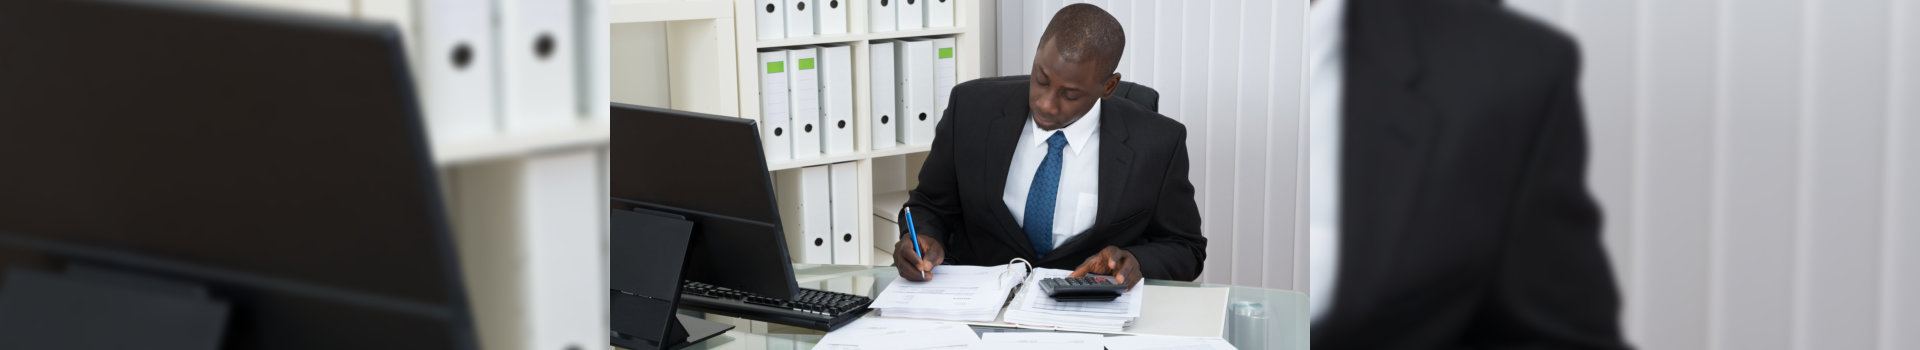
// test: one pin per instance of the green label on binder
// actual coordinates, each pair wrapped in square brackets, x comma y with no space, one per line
[946,52]
[806,63]
[776,67]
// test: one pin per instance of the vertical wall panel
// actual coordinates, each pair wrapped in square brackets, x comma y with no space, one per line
[1780,213]
[1223,35]
[1680,126]
[1286,253]
[1903,247]
[1757,185]
[1850,41]
[1249,184]
[1170,45]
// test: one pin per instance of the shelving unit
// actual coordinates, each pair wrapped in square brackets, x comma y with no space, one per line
[499,189]
[663,49]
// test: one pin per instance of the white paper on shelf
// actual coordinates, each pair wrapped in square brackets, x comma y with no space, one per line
[886,333]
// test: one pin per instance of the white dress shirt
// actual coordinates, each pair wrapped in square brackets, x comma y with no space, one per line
[1079,191]
[1323,158]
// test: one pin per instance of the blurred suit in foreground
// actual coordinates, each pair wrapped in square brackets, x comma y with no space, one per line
[1463,217]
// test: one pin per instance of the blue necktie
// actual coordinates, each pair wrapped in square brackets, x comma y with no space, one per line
[1040,196]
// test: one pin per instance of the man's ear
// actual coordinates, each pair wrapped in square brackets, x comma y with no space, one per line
[1113,83]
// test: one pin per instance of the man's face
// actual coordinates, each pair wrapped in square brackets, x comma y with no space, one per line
[1061,92]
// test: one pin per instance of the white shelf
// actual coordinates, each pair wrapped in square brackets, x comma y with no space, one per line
[824,160]
[703,57]
[843,38]
[643,11]
[586,134]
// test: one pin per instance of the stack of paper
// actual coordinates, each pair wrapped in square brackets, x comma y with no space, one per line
[1039,341]
[1155,342]
[960,293]
[884,333]
[1034,308]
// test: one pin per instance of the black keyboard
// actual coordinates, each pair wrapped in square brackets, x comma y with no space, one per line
[815,309]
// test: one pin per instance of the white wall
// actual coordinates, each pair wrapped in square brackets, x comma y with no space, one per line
[1757,163]
[1230,70]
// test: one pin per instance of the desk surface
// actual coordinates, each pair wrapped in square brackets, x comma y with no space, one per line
[1257,318]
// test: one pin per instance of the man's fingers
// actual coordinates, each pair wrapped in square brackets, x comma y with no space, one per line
[1131,268]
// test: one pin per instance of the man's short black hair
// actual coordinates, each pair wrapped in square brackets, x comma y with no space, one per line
[1084,31]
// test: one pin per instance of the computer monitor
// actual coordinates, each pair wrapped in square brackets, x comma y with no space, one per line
[710,169]
[276,162]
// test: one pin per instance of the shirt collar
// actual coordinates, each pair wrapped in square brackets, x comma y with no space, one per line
[1077,133]
[1325,28]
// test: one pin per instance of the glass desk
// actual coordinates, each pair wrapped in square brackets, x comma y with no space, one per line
[1257,318]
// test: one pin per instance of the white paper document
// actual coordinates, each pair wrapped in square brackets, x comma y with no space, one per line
[883,333]
[960,293]
[1039,341]
[1158,342]
[1034,308]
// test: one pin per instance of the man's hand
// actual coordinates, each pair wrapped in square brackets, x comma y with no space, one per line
[917,268]
[1112,261]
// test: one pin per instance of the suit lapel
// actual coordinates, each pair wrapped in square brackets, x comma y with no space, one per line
[1387,128]
[1003,135]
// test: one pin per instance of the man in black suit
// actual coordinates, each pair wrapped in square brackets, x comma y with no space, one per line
[1054,171]
[1464,219]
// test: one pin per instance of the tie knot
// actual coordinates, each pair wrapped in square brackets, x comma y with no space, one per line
[1058,140]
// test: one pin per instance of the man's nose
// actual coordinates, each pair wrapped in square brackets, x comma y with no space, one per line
[1047,105]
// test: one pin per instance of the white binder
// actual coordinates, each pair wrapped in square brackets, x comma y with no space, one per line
[454,62]
[836,98]
[775,124]
[537,51]
[563,217]
[882,15]
[886,112]
[944,73]
[594,53]
[803,103]
[913,14]
[831,19]
[531,244]
[770,19]
[800,18]
[846,213]
[805,213]
[939,13]
[915,70]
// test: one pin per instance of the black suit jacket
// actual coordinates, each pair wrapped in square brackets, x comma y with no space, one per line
[1146,204]
[1466,220]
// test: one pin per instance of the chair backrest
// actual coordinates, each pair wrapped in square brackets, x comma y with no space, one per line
[1136,93]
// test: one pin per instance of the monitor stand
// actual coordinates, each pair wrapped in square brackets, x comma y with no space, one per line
[96,308]
[651,250]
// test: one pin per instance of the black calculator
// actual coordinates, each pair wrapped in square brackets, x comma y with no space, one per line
[1089,288]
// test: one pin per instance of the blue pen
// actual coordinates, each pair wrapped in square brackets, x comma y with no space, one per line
[916,240]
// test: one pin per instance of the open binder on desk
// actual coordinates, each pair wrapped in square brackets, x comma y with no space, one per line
[1009,296]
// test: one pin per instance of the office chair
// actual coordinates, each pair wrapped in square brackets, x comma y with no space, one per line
[1132,92]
